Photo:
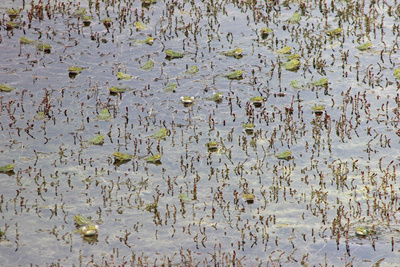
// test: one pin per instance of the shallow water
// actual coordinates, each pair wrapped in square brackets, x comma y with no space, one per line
[342,174]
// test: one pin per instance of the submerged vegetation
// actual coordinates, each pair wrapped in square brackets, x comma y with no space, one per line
[200,133]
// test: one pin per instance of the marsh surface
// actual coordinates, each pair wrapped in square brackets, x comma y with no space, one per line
[219,194]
